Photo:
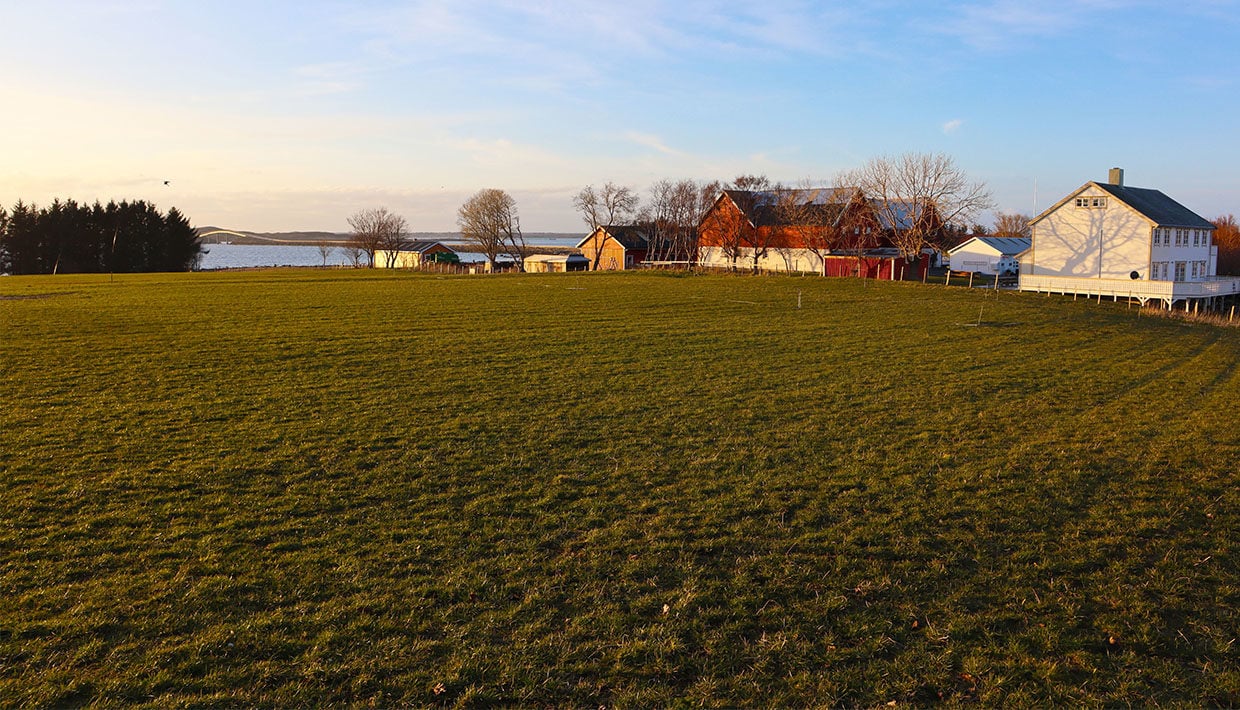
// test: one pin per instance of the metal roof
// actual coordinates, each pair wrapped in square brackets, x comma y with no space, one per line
[760,206]
[1007,246]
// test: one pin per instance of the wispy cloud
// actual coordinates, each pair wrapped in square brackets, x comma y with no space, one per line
[553,46]
[652,141]
[996,25]
[952,126]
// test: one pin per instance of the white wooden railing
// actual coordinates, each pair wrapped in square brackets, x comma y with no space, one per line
[1131,288]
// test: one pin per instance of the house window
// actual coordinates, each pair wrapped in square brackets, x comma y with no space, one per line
[1179,271]
[1091,202]
[1196,238]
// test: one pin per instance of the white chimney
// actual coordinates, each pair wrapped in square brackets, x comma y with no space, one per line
[1116,177]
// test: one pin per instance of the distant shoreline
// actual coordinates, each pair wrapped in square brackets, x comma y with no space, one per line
[219,235]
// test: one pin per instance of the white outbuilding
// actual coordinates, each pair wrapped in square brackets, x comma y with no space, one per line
[989,255]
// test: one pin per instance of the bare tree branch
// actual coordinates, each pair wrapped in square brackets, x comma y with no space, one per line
[916,194]
[489,220]
[377,230]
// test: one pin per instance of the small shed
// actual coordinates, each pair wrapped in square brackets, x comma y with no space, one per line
[412,255]
[546,263]
[989,255]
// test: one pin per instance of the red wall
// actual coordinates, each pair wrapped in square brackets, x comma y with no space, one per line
[872,267]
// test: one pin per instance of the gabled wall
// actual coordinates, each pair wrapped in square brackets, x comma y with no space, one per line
[1097,242]
[614,256]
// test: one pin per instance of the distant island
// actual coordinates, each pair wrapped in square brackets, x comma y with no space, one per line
[223,235]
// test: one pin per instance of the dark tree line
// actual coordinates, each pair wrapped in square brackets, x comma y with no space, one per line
[66,237]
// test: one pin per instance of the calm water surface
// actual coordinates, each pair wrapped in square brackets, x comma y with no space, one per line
[249,256]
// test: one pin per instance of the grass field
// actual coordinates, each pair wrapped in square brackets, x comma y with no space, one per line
[282,488]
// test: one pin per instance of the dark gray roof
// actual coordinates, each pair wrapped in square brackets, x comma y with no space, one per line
[827,206]
[762,207]
[1156,206]
[421,245]
[630,236]
[810,196]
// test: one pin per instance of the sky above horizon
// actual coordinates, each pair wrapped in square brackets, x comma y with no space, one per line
[283,116]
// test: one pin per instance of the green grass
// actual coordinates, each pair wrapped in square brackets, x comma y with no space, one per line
[281,488]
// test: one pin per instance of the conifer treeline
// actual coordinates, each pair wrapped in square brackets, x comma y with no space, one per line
[67,238]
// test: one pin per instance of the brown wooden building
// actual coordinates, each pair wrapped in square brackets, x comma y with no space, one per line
[615,247]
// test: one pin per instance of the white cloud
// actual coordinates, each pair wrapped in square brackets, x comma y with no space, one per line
[995,25]
[952,126]
[652,141]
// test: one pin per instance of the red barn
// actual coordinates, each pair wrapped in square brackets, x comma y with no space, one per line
[798,230]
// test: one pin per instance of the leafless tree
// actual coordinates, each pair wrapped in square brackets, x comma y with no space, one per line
[916,194]
[611,205]
[489,220]
[672,214]
[726,225]
[353,254]
[378,229]
[794,215]
[809,218]
[325,251]
[1011,224]
[730,224]
[761,232]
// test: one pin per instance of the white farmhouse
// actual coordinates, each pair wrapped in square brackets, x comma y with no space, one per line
[989,255]
[1108,239]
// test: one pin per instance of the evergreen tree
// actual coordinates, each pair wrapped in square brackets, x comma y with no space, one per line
[71,238]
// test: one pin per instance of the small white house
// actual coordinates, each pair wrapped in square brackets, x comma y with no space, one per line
[1109,240]
[989,255]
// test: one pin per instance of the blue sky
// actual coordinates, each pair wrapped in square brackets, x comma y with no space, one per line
[292,115]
